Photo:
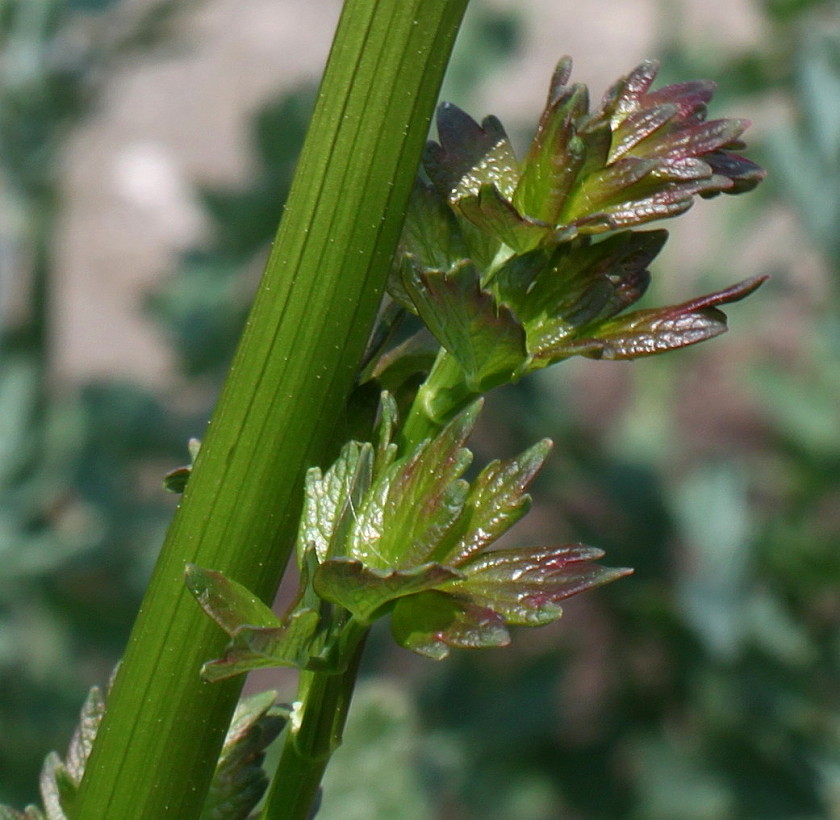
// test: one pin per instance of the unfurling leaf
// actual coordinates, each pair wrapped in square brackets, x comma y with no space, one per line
[642,155]
[417,545]
[414,502]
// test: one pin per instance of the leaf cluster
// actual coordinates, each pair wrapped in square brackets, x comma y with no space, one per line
[515,265]
[407,536]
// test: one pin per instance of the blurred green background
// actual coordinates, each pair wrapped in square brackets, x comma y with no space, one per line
[706,686]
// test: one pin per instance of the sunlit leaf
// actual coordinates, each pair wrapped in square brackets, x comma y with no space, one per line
[584,286]
[331,499]
[497,500]
[413,504]
[647,332]
[227,602]
[525,585]
[469,155]
[363,591]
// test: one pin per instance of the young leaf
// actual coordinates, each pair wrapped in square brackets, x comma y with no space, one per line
[331,499]
[59,780]
[556,155]
[497,500]
[583,286]
[259,638]
[484,337]
[495,216]
[82,741]
[386,450]
[469,155]
[239,780]
[525,586]
[430,233]
[57,788]
[363,591]
[411,506]
[647,332]
[432,622]
[227,602]
[290,644]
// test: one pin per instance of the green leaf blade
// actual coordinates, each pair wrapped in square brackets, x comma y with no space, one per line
[431,623]
[227,602]
[495,216]
[291,645]
[556,155]
[415,502]
[525,586]
[497,500]
[484,337]
[331,498]
[364,591]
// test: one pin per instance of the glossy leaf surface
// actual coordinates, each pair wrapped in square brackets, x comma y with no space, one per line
[363,591]
[525,585]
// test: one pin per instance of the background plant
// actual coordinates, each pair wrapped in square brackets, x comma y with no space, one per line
[695,705]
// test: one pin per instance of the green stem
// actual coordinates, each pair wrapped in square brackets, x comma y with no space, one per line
[157,748]
[324,698]
[439,398]
[323,703]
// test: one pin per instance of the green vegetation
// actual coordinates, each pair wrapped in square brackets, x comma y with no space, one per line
[702,687]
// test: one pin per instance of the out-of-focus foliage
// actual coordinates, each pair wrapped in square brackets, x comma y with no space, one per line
[705,687]
[76,527]
[709,686]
